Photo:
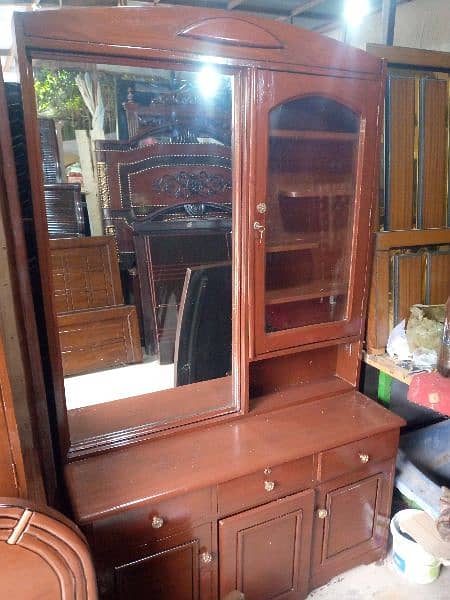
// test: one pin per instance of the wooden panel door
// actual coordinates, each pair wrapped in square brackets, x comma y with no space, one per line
[264,552]
[181,567]
[310,207]
[351,521]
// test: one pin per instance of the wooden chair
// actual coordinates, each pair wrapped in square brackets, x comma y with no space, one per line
[42,555]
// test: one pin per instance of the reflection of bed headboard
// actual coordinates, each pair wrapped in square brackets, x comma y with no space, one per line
[135,180]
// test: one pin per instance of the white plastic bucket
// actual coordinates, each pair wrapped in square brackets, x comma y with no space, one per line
[410,558]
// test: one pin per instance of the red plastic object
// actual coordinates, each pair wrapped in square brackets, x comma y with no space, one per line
[432,391]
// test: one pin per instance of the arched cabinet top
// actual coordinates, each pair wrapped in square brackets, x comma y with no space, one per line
[191,32]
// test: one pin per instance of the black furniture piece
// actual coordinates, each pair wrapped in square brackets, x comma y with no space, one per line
[167,243]
[203,336]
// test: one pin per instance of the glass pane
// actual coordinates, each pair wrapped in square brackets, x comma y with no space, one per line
[137,166]
[313,146]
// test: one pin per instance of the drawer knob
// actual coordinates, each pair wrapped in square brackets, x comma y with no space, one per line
[322,513]
[269,486]
[206,558]
[157,522]
[364,458]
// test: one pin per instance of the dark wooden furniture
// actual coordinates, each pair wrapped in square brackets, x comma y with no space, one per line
[167,243]
[29,467]
[43,554]
[100,338]
[411,262]
[64,209]
[203,337]
[96,330]
[187,506]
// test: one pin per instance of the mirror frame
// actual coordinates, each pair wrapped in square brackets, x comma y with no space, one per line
[65,49]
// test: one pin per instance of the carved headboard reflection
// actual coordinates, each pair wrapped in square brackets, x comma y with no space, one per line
[135,181]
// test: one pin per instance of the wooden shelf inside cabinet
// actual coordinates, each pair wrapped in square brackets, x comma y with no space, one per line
[307,291]
[291,244]
[326,136]
[317,190]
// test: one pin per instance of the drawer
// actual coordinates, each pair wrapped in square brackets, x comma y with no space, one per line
[357,455]
[152,521]
[265,485]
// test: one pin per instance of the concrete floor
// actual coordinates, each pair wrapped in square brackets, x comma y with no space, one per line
[379,581]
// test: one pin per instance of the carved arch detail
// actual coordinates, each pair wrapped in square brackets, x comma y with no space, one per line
[233,32]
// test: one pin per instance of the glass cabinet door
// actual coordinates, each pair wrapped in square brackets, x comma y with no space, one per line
[304,228]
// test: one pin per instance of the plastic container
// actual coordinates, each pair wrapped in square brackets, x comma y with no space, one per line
[410,558]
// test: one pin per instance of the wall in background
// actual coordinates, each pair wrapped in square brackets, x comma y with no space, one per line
[419,24]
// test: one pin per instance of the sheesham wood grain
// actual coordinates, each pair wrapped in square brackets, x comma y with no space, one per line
[163,468]
[435,140]
[401,152]
[439,278]
[410,283]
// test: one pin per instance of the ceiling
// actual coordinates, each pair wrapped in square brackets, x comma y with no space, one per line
[317,15]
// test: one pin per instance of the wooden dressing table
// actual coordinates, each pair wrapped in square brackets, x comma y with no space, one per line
[279,476]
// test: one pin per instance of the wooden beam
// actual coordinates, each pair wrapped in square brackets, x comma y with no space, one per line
[234,3]
[301,8]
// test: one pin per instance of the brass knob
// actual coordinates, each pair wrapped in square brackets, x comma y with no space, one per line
[261,208]
[322,513]
[269,486]
[157,522]
[364,458]
[206,558]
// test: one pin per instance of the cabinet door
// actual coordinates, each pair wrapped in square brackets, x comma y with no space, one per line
[351,521]
[315,150]
[181,567]
[265,552]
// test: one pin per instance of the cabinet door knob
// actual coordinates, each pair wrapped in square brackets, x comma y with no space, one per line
[206,558]
[260,229]
[364,458]
[322,513]
[157,522]
[269,486]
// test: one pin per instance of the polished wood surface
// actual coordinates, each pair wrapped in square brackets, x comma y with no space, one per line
[264,552]
[42,555]
[354,528]
[246,445]
[94,340]
[21,354]
[85,273]
[151,505]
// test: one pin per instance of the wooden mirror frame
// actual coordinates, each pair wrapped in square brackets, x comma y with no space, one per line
[237,44]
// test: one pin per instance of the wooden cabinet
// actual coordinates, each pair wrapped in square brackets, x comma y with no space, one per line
[178,568]
[309,208]
[238,483]
[264,552]
[351,520]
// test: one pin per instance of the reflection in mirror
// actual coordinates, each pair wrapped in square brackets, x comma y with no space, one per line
[137,185]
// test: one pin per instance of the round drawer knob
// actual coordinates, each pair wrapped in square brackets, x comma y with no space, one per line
[364,458]
[206,558]
[157,522]
[322,513]
[269,486]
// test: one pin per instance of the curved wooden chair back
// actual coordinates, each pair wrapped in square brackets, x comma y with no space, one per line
[43,555]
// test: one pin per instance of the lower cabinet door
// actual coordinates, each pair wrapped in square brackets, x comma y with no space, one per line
[265,552]
[351,521]
[181,567]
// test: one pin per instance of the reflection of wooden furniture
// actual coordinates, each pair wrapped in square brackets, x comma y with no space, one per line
[203,336]
[180,115]
[43,554]
[168,243]
[194,509]
[411,263]
[96,331]
[99,339]
[85,273]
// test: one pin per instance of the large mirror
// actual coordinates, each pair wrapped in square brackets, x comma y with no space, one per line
[137,170]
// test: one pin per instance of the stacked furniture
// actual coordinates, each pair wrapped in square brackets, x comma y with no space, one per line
[96,330]
[276,477]
[412,249]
